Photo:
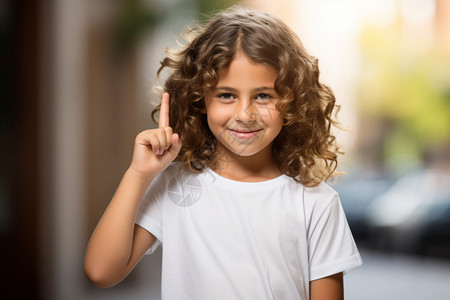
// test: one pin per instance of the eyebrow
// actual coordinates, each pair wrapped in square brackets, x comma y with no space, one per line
[230,89]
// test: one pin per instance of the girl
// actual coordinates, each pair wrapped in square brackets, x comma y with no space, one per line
[243,212]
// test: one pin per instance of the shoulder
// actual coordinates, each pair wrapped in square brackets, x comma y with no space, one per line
[178,174]
[319,198]
[169,178]
[322,190]
[173,170]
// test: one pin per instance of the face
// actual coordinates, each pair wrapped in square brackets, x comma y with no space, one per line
[241,109]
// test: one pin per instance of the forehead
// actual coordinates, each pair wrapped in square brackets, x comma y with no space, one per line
[242,72]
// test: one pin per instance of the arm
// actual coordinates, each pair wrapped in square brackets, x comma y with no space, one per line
[117,244]
[327,288]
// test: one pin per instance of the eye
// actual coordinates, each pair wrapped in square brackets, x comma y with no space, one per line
[226,96]
[263,97]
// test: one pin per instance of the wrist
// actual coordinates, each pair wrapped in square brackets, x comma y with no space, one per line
[138,176]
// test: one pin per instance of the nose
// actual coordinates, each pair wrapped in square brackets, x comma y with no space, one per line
[245,111]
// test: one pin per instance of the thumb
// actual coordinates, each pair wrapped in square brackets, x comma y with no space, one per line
[175,145]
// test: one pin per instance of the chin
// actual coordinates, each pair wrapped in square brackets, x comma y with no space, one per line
[244,151]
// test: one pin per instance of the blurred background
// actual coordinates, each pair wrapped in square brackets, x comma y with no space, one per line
[76,87]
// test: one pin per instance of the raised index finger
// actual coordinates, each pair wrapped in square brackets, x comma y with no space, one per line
[164,111]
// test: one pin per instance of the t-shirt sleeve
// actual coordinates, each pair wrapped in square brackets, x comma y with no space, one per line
[150,213]
[332,248]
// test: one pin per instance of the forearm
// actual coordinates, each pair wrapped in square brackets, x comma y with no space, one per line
[109,250]
[327,288]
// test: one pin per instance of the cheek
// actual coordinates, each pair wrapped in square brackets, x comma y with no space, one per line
[216,121]
[276,125]
[271,117]
[217,115]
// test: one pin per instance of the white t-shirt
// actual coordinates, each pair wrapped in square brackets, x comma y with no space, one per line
[225,239]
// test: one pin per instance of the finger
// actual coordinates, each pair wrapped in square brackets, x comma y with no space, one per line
[163,141]
[143,138]
[155,144]
[176,143]
[164,111]
[148,139]
[168,134]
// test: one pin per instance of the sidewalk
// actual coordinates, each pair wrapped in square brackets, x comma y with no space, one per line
[397,277]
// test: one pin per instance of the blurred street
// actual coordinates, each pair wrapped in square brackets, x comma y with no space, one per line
[395,277]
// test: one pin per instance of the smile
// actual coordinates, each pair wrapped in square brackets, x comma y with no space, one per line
[244,134]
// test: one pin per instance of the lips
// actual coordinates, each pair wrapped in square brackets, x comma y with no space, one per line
[244,134]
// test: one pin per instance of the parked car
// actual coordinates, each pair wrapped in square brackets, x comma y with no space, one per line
[413,215]
[356,193]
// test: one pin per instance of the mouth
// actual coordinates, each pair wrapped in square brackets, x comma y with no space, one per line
[244,134]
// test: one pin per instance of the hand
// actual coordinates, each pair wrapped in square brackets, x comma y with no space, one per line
[155,149]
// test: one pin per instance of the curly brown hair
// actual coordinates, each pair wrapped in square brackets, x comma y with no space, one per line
[305,149]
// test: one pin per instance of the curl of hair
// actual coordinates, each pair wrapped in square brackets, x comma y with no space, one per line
[305,149]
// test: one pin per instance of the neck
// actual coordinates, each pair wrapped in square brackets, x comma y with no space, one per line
[258,167]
